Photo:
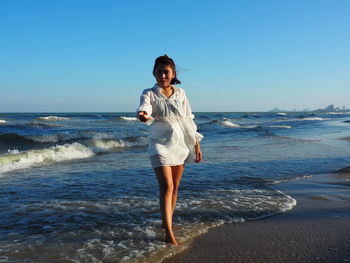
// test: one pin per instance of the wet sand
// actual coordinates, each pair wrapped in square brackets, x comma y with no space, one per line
[316,230]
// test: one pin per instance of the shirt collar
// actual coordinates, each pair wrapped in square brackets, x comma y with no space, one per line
[158,89]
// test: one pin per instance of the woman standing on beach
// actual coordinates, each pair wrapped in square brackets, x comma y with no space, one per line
[173,138]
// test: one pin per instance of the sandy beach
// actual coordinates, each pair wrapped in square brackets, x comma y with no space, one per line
[316,230]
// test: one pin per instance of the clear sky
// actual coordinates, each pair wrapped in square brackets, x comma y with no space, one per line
[243,55]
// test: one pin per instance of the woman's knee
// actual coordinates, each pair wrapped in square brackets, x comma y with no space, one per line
[176,188]
[168,189]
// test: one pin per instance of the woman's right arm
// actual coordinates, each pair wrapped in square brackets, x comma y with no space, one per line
[144,111]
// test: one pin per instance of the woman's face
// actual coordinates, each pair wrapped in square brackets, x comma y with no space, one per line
[164,75]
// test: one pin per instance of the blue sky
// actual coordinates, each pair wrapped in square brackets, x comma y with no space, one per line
[72,55]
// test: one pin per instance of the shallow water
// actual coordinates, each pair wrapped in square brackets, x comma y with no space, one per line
[79,187]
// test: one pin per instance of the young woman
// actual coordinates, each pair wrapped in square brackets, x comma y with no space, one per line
[173,138]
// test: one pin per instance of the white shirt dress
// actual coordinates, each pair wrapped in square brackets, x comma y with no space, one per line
[173,133]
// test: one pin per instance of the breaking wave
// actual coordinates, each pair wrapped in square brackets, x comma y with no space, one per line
[2,121]
[314,119]
[129,118]
[15,160]
[104,145]
[339,113]
[280,126]
[224,122]
[13,138]
[53,118]
[124,119]
[44,138]
[229,124]
[26,159]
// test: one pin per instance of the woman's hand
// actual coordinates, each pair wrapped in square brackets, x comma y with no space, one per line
[143,116]
[197,149]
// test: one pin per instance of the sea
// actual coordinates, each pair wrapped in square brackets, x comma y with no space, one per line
[79,187]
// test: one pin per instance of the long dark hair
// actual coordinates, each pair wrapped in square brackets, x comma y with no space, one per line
[165,60]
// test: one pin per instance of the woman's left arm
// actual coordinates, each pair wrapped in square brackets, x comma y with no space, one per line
[198,137]
[188,114]
[197,149]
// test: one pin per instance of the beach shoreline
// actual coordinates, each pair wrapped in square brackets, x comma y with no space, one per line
[78,187]
[316,230]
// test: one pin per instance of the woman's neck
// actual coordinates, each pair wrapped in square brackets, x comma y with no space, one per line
[168,91]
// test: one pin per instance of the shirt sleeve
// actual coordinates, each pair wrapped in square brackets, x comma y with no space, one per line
[145,103]
[188,114]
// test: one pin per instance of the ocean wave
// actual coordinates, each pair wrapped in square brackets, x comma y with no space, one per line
[104,145]
[14,151]
[224,122]
[339,113]
[194,217]
[46,125]
[3,121]
[140,239]
[129,118]
[21,160]
[124,119]
[68,136]
[14,138]
[228,123]
[280,126]
[302,119]
[51,138]
[314,119]
[250,116]
[15,160]
[291,179]
[98,134]
[281,114]
[53,118]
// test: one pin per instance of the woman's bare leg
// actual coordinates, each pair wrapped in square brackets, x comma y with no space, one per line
[166,188]
[177,174]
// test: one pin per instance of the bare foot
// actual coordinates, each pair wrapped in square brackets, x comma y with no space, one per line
[170,238]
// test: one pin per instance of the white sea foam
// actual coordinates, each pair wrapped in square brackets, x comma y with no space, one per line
[281,113]
[98,135]
[101,145]
[53,118]
[338,113]
[21,160]
[303,119]
[52,137]
[314,119]
[193,218]
[140,238]
[2,121]
[229,124]
[70,136]
[280,126]
[15,160]
[129,118]
[14,151]
[291,179]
